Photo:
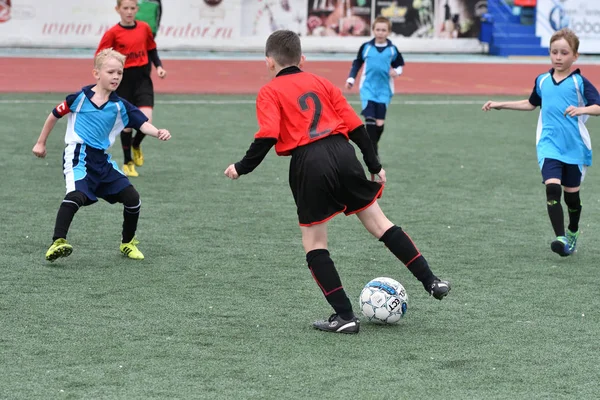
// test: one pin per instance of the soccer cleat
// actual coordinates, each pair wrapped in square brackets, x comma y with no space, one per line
[561,246]
[129,169]
[138,156]
[60,248]
[336,324]
[439,289]
[130,250]
[572,240]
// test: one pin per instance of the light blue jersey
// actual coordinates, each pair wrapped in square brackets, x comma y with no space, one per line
[376,84]
[565,139]
[96,126]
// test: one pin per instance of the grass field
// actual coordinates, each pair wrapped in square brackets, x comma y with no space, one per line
[222,306]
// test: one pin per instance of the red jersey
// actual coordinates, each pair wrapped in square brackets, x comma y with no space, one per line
[297,108]
[132,41]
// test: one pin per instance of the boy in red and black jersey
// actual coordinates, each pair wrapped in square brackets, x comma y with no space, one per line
[306,116]
[135,40]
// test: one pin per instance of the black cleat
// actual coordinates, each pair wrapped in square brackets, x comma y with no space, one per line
[439,289]
[336,324]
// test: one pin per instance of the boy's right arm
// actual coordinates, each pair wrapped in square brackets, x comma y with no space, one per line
[356,64]
[40,146]
[521,105]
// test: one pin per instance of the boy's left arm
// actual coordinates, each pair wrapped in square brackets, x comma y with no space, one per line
[397,64]
[138,121]
[592,101]
[268,116]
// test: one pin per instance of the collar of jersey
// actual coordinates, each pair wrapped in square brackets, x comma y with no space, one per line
[289,70]
[89,93]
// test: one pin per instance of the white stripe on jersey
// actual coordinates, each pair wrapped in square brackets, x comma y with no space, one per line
[68,167]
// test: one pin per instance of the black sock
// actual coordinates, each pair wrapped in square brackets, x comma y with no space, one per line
[126,145]
[137,139]
[405,250]
[131,214]
[64,217]
[326,276]
[379,132]
[372,131]
[555,210]
[574,207]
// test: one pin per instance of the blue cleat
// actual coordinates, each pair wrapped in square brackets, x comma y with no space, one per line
[561,246]
[572,240]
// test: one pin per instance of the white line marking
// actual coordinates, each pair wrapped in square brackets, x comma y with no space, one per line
[235,102]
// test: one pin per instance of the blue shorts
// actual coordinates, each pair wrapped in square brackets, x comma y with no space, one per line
[374,110]
[570,175]
[92,172]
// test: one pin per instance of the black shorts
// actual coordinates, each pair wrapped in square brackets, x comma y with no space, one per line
[326,179]
[374,110]
[136,87]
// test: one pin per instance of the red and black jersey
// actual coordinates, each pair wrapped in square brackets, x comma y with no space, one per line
[297,108]
[132,41]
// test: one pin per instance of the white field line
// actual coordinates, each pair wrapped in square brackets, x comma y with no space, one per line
[236,102]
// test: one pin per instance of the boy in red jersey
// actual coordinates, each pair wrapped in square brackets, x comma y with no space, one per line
[306,116]
[135,40]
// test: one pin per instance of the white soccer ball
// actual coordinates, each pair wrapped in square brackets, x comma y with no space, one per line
[383,300]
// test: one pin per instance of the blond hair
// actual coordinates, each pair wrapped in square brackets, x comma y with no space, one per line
[119,2]
[569,36]
[105,54]
[382,20]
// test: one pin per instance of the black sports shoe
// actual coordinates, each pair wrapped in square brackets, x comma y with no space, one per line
[439,289]
[336,324]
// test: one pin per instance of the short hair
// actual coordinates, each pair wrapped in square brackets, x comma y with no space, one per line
[119,2]
[284,47]
[569,36]
[105,54]
[382,20]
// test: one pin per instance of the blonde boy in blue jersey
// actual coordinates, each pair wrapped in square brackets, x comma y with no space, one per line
[563,142]
[383,62]
[96,115]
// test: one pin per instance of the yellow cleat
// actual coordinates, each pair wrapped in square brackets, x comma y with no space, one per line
[60,248]
[129,169]
[138,156]
[130,250]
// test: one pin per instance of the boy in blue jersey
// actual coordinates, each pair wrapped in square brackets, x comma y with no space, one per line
[383,62]
[96,116]
[563,143]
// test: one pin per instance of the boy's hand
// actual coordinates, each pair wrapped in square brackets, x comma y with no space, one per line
[161,72]
[39,150]
[163,134]
[231,172]
[393,73]
[573,111]
[489,105]
[381,175]
[349,83]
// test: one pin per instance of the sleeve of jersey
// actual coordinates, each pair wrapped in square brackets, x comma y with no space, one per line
[267,114]
[590,93]
[399,60]
[150,43]
[535,99]
[106,42]
[135,118]
[343,109]
[356,64]
[65,107]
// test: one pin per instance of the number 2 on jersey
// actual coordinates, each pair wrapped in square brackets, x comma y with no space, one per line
[305,106]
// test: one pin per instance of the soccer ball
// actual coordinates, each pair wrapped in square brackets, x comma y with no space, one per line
[383,300]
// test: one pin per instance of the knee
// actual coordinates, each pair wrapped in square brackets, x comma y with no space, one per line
[76,197]
[553,193]
[572,200]
[130,198]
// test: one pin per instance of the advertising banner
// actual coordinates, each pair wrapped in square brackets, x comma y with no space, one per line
[262,17]
[409,18]
[582,16]
[238,25]
[458,18]
[339,17]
